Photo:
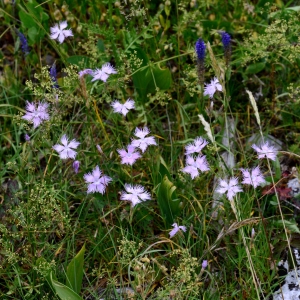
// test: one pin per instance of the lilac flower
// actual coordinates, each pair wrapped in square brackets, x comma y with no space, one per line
[144,141]
[195,147]
[176,229]
[53,76]
[85,72]
[76,165]
[192,165]
[129,157]
[135,193]
[36,114]
[66,149]
[123,108]
[265,150]
[96,182]
[58,32]
[24,43]
[204,264]
[231,187]
[212,87]
[104,72]
[27,137]
[253,177]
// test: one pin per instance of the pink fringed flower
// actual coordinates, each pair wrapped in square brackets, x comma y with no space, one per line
[176,229]
[253,177]
[265,150]
[36,114]
[59,32]
[212,87]
[231,187]
[66,150]
[195,147]
[194,165]
[97,182]
[123,108]
[130,156]
[104,72]
[143,142]
[135,194]
[85,72]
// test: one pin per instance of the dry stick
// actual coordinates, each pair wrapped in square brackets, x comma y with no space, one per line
[100,121]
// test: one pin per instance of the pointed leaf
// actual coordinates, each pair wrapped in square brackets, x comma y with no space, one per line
[75,271]
[290,225]
[63,291]
[167,201]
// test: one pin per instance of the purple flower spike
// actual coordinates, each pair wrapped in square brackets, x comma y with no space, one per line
[200,49]
[204,264]
[24,44]
[53,76]
[226,41]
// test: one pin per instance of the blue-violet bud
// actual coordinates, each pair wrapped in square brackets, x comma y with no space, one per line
[27,137]
[204,264]
[53,76]
[76,165]
[24,43]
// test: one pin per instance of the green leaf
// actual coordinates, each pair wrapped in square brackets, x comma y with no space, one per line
[161,20]
[150,77]
[167,9]
[290,225]
[26,20]
[35,10]
[162,78]
[75,271]
[294,8]
[167,200]
[255,68]
[33,34]
[63,292]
